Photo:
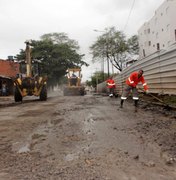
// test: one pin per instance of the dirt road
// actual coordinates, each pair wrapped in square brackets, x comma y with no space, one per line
[86,138]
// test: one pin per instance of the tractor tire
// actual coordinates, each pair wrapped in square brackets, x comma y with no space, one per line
[82,91]
[43,94]
[17,96]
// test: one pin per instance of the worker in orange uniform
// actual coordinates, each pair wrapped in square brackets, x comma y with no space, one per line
[131,84]
[111,86]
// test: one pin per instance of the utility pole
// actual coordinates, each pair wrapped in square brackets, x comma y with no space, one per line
[107,57]
[103,69]
[96,80]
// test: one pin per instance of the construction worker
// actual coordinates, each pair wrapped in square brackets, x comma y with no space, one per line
[131,84]
[73,75]
[73,79]
[4,88]
[111,86]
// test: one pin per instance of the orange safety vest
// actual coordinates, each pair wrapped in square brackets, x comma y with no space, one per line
[111,83]
[133,80]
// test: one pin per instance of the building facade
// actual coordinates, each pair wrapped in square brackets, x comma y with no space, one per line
[159,33]
[8,70]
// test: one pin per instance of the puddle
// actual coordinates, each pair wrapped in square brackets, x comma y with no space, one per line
[71,157]
[21,147]
[88,123]
[24,149]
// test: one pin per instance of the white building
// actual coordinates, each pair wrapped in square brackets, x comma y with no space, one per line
[160,32]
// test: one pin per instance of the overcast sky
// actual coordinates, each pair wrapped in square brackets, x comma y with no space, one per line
[29,19]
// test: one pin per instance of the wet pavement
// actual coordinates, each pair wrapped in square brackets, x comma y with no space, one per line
[87,137]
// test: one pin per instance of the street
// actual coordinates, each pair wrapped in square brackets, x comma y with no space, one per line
[86,138]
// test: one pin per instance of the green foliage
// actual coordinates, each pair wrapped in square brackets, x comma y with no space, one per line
[60,38]
[57,53]
[133,45]
[113,46]
[89,83]
[98,77]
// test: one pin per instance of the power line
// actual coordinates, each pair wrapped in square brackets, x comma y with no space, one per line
[129,15]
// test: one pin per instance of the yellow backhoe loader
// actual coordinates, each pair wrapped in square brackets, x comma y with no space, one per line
[29,83]
[74,87]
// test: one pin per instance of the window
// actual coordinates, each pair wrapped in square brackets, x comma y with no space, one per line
[158,46]
[149,43]
[156,35]
[144,52]
[148,31]
[168,27]
[175,34]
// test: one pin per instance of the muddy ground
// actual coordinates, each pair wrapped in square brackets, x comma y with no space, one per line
[86,138]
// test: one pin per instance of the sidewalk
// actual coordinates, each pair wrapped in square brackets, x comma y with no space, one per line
[5,100]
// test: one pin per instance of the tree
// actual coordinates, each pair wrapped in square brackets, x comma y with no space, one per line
[57,53]
[60,38]
[133,45]
[113,46]
[98,77]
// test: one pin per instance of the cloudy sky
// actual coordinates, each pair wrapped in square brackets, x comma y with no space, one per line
[29,19]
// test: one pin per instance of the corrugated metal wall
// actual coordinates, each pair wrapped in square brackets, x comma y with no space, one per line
[159,73]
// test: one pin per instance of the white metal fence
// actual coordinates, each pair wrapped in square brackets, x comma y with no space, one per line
[159,72]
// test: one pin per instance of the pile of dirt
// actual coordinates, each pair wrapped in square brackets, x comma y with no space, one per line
[162,127]
[168,101]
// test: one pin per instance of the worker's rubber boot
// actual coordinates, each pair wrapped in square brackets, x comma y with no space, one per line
[121,103]
[135,105]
